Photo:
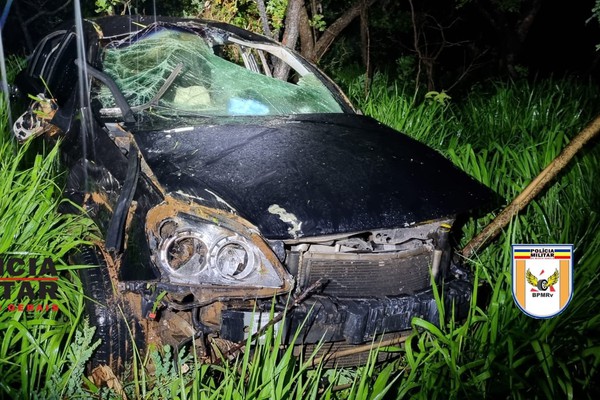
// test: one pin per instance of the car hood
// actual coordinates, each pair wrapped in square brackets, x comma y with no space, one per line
[310,175]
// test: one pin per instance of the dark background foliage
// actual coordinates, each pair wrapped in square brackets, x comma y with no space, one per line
[441,44]
[501,131]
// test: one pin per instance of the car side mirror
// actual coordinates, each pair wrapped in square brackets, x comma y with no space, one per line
[36,120]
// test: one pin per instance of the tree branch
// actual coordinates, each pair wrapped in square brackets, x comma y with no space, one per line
[533,189]
[262,12]
[46,13]
[332,32]
[417,49]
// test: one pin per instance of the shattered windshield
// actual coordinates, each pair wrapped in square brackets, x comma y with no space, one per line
[172,72]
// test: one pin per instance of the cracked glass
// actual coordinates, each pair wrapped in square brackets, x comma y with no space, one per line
[174,73]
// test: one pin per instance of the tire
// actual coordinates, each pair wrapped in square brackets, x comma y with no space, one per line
[117,330]
[542,285]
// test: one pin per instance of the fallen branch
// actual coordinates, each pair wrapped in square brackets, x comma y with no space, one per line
[358,349]
[533,189]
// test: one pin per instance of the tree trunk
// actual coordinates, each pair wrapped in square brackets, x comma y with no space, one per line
[365,43]
[290,35]
[307,39]
[297,22]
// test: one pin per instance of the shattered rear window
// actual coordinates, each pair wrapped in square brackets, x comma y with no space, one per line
[179,73]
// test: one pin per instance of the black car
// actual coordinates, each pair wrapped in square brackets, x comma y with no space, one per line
[220,189]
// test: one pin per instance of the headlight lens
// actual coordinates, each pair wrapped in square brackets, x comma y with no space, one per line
[202,253]
[233,260]
[184,253]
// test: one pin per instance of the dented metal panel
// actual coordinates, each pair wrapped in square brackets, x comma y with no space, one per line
[311,175]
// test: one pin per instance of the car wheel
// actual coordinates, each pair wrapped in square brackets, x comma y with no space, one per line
[542,284]
[117,326]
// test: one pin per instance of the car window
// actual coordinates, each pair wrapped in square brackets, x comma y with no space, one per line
[179,73]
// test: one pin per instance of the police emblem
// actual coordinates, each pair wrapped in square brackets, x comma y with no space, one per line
[542,278]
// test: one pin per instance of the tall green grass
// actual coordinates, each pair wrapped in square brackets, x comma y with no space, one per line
[504,135]
[264,369]
[33,343]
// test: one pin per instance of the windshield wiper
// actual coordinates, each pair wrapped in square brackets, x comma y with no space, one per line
[165,86]
[172,112]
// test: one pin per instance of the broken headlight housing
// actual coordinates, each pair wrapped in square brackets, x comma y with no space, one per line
[198,252]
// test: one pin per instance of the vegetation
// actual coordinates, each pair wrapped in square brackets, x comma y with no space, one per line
[451,43]
[501,133]
[32,343]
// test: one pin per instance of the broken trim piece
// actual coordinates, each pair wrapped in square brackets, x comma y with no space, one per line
[116,231]
[277,51]
[128,117]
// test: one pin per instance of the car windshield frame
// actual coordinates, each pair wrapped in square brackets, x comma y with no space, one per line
[183,70]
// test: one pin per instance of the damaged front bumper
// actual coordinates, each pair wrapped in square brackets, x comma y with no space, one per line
[345,289]
[354,320]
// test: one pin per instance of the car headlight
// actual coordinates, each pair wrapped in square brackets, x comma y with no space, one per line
[197,253]
[233,259]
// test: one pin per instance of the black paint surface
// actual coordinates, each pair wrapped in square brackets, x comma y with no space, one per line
[337,173]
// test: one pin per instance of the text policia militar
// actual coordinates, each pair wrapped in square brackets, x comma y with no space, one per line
[27,278]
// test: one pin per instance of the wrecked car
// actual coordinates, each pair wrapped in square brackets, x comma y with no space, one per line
[220,189]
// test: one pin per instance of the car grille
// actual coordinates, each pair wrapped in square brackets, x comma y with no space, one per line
[368,274]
